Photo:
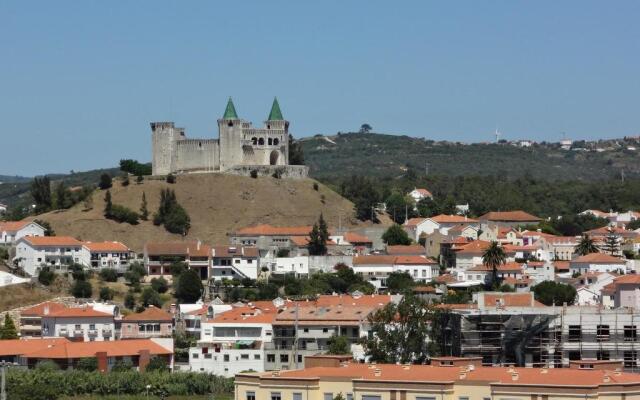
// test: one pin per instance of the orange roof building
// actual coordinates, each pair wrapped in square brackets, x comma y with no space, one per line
[518,217]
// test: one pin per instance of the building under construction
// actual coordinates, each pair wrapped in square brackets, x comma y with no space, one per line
[513,329]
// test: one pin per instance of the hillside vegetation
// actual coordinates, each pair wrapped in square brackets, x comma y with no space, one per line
[379,155]
[216,203]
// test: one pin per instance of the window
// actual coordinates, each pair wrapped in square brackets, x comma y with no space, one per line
[299,358]
[630,333]
[92,326]
[244,356]
[306,330]
[602,355]
[325,330]
[574,355]
[195,355]
[271,358]
[275,395]
[370,397]
[328,396]
[226,358]
[575,333]
[349,396]
[297,396]
[425,398]
[603,332]
[256,356]
[630,358]
[250,396]
[284,358]
[207,356]
[463,398]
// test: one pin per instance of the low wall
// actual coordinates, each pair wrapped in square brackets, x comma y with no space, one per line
[282,171]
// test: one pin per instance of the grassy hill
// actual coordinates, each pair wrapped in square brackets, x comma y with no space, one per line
[217,204]
[379,155]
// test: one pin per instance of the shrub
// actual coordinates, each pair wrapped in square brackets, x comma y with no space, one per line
[171,178]
[87,364]
[122,366]
[125,180]
[158,364]
[189,287]
[160,285]
[106,294]
[177,221]
[130,300]
[109,275]
[82,289]
[139,179]
[105,181]
[123,214]
[254,173]
[151,298]
[46,276]
[315,186]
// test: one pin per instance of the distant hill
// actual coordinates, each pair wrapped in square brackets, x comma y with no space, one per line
[383,155]
[216,203]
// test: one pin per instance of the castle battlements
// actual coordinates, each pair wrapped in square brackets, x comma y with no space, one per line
[239,147]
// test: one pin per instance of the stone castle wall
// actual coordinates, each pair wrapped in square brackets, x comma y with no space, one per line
[197,154]
[283,171]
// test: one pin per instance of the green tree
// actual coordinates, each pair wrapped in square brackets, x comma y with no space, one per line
[130,300]
[105,181]
[399,207]
[339,344]
[399,282]
[365,128]
[150,297]
[8,330]
[105,294]
[296,155]
[41,194]
[428,208]
[160,285]
[611,243]
[586,246]
[48,230]
[144,212]
[400,332]
[81,289]
[157,364]
[108,205]
[171,178]
[88,364]
[494,257]
[171,214]
[395,235]
[46,276]
[189,287]
[109,275]
[62,197]
[554,293]
[318,238]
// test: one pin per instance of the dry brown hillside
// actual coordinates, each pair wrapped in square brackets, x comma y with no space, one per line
[217,204]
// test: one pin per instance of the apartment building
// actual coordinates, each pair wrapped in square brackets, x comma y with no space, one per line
[100,255]
[158,257]
[442,382]
[56,252]
[235,262]
[153,322]
[87,323]
[376,268]
[12,231]
[31,318]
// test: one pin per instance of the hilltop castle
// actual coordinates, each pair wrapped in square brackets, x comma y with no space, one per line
[240,148]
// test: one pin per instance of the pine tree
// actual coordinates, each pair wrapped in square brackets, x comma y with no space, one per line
[318,238]
[611,244]
[144,213]
[8,330]
[108,206]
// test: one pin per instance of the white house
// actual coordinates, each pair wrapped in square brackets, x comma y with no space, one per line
[57,252]
[418,194]
[11,231]
[234,341]
[539,271]
[298,265]
[597,262]
[415,227]
[235,262]
[376,268]
[100,255]
[83,324]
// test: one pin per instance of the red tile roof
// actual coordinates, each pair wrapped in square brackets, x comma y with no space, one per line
[507,267]
[414,221]
[474,247]
[414,249]
[353,237]
[13,226]
[510,216]
[414,260]
[52,241]
[268,230]
[190,248]
[527,377]
[235,251]
[509,299]
[24,346]
[598,258]
[150,314]
[245,315]
[79,312]
[39,309]
[106,246]
[117,348]
[451,219]
[424,192]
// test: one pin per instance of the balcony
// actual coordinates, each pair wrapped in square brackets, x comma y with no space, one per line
[93,332]
[78,332]
[63,332]
[106,332]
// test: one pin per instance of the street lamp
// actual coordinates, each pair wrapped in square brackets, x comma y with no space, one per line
[3,378]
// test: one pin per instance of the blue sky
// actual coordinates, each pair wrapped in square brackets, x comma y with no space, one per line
[81,80]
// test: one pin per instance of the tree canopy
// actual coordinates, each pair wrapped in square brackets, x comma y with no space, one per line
[554,293]
[395,235]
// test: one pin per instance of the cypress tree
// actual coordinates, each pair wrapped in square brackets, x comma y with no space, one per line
[108,206]
[144,213]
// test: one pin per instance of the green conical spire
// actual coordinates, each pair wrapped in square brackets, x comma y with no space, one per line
[275,114]
[230,111]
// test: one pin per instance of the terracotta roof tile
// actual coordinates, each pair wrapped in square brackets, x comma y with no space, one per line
[52,241]
[106,246]
[189,248]
[510,216]
[150,314]
[39,309]
[235,251]
[598,258]
[117,348]
[268,230]
[414,249]
[451,219]
[79,312]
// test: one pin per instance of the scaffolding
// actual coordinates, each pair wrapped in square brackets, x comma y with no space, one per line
[543,336]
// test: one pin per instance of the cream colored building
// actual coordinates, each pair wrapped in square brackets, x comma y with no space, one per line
[429,382]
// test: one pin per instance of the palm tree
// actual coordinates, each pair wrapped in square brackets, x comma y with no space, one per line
[586,246]
[493,257]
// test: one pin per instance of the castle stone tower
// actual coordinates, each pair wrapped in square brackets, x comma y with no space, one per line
[163,145]
[230,131]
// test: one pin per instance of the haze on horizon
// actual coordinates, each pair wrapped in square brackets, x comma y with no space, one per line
[80,81]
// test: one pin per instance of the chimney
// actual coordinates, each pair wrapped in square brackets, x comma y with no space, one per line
[514,376]
[103,366]
[143,360]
